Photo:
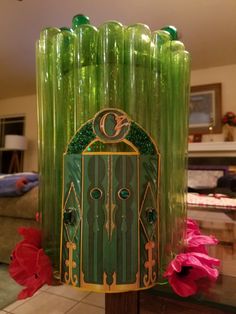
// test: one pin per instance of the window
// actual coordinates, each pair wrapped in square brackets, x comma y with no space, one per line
[10,125]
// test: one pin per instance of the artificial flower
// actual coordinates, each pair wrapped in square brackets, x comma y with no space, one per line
[31,236]
[198,242]
[187,269]
[30,266]
[229,118]
[195,241]
[192,227]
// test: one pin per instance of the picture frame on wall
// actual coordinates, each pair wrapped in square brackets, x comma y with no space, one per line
[205,109]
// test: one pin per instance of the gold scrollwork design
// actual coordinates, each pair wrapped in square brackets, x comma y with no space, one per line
[68,276]
[150,277]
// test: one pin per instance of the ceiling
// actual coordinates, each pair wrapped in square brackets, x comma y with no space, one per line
[207,28]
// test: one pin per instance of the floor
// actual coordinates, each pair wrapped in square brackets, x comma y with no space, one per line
[65,299]
[58,300]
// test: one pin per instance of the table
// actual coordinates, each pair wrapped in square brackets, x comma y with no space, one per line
[221,299]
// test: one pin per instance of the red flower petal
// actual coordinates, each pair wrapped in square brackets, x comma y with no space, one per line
[182,286]
[197,242]
[192,227]
[210,261]
[31,236]
[187,268]
[30,266]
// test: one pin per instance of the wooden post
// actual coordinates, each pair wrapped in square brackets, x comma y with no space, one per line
[122,303]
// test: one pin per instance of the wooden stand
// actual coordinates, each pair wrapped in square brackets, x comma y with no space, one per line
[122,303]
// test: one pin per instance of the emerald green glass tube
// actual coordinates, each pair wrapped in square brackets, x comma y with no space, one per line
[79,20]
[86,72]
[159,102]
[137,72]
[163,145]
[160,40]
[175,136]
[64,83]
[186,62]
[46,136]
[63,117]
[180,136]
[39,122]
[110,65]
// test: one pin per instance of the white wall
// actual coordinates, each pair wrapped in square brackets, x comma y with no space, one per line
[26,106]
[226,75]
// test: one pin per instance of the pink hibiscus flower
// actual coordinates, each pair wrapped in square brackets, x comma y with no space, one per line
[192,227]
[195,241]
[187,269]
[30,266]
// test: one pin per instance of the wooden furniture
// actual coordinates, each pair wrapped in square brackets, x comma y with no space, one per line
[121,303]
[220,299]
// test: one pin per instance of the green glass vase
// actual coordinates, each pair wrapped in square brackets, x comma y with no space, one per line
[83,70]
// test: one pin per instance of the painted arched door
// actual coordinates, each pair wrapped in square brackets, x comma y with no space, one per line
[110,206]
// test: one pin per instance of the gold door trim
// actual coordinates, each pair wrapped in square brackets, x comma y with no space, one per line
[68,276]
[134,150]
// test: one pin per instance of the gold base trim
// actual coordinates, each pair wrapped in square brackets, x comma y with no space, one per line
[92,286]
[92,289]
[113,288]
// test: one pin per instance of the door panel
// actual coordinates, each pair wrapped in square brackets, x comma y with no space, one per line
[110,219]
